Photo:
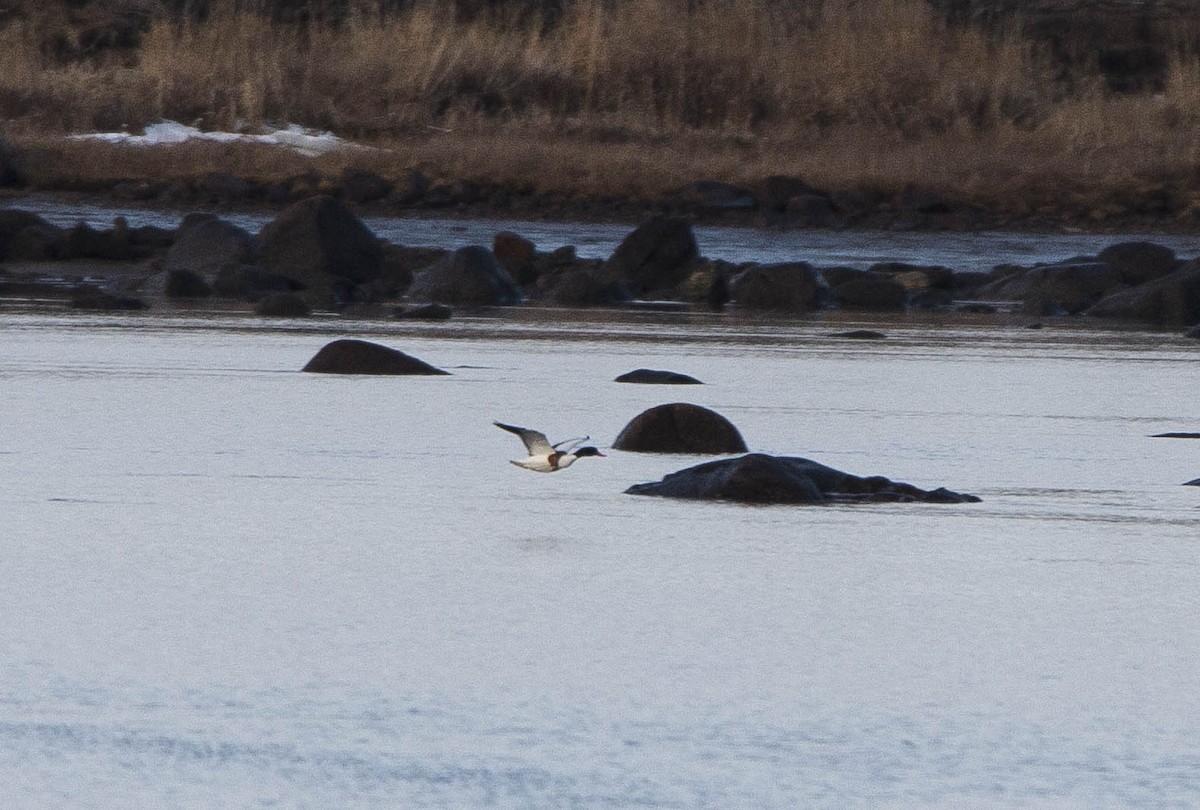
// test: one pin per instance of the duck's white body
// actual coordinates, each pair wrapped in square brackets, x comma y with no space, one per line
[543,456]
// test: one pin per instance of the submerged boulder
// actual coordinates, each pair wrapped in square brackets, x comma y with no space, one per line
[350,356]
[758,478]
[680,427]
[651,376]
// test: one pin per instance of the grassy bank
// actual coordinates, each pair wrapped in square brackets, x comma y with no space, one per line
[627,98]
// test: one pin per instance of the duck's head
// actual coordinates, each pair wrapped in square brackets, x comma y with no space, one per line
[587,451]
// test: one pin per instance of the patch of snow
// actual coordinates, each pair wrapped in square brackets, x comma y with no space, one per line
[310,143]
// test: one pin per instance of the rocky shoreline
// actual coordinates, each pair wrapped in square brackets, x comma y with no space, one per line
[317,255]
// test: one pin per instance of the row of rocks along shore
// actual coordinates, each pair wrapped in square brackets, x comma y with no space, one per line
[317,255]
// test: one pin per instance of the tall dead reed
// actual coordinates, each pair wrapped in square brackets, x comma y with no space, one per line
[848,92]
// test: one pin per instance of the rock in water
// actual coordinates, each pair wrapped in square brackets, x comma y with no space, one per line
[651,376]
[349,356]
[680,427]
[763,479]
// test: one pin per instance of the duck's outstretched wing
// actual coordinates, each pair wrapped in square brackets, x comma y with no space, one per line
[570,444]
[535,441]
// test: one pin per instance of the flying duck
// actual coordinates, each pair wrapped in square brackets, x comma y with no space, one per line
[546,457]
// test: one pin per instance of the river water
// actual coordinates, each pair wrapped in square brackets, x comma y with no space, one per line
[977,252]
[230,584]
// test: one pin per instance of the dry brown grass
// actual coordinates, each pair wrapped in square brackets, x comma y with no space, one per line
[626,98]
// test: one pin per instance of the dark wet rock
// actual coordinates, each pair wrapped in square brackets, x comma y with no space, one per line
[930,299]
[714,195]
[833,276]
[37,243]
[1067,288]
[135,191]
[152,237]
[654,377]
[459,192]
[859,334]
[1176,436]
[114,244]
[516,255]
[250,282]
[879,294]
[581,288]
[708,283]
[350,356]
[317,241]
[469,276]
[283,305]
[775,191]
[762,479]
[1195,482]
[425,312]
[916,276]
[185,284]
[361,185]
[657,255]
[204,243]
[222,187]
[1193,333]
[14,220]
[1172,301]
[917,200]
[812,211]
[792,287]
[409,189]
[400,266]
[102,301]
[12,165]
[680,427]
[1139,262]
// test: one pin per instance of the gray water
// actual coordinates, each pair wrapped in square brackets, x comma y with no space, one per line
[978,252]
[230,584]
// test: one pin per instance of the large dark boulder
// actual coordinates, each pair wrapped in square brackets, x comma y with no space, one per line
[581,288]
[318,241]
[283,305]
[469,276]
[205,243]
[250,283]
[874,293]
[764,479]
[1169,302]
[185,284]
[1139,262]
[680,427]
[350,356]
[1070,287]
[791,287]
[14,220]
[657,255]
[649,376]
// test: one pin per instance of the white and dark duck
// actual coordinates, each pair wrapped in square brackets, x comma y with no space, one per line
[546,457]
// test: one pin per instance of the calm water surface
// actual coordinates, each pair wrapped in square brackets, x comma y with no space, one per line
[226,583]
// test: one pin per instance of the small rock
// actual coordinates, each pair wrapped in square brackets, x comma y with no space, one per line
[283,305]
[425,312]
[859,334]
[654,377]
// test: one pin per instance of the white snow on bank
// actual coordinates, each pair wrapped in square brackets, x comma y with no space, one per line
[305,141]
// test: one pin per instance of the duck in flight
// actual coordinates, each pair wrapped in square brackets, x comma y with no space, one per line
[546,457]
